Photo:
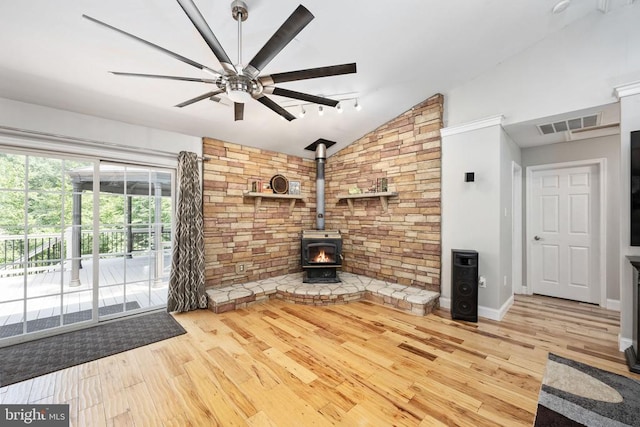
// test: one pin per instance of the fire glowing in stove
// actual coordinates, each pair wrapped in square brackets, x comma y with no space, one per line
[322,257]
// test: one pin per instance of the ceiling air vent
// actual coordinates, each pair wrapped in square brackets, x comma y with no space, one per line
[590,121]
[569,125]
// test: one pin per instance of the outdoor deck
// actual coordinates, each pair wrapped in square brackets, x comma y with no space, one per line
[119,279]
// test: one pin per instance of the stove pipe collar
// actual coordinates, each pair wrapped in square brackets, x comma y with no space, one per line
[321,151]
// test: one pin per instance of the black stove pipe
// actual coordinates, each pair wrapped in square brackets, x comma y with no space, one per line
[321,157]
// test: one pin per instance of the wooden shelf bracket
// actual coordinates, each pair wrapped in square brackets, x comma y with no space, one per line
[257,199]
[384,198]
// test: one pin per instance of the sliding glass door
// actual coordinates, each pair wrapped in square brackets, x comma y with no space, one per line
[135,237]
[80,240]
[38,290]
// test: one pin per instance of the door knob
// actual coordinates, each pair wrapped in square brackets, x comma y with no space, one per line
[537,238]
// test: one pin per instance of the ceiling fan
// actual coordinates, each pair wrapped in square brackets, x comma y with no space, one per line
[240,83]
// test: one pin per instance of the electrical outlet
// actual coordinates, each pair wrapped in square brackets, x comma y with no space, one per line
[482,282]
[240,268]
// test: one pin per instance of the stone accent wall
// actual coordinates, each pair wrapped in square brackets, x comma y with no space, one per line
[401,245]
[267,241]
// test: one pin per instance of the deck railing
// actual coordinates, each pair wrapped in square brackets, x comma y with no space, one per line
[42,252]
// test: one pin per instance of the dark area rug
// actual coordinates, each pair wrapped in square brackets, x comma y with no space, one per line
[575,394]
[34,358]
[13,329]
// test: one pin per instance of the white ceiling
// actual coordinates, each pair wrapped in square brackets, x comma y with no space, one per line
[405,52]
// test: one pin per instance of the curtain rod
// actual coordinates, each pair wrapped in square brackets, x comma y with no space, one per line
[12,131]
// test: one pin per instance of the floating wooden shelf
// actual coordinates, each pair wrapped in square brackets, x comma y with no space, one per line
[257,197]
[384,197]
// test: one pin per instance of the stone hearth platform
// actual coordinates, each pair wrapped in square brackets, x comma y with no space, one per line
[353,287]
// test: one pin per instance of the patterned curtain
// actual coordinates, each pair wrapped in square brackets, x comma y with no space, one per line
[186,282]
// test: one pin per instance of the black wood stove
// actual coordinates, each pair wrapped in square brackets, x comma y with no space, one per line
[321,254]
[321,250]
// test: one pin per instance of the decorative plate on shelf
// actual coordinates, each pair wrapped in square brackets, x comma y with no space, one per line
[279,184]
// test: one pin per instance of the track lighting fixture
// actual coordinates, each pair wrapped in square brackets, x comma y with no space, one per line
[344,100]
[561,6]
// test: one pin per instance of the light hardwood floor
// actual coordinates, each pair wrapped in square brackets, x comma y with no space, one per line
[279,364]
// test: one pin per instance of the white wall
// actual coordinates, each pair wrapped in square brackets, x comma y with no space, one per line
[509,153]
[607,147]
[471,210]
[116,136]
[575,68]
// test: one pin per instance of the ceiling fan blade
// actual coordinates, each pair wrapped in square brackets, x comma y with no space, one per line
[282,37]
[155,46]
[269,103]
[238,111]
[192,12]
[310,73]
[157,76]
[301,96]
[199,98]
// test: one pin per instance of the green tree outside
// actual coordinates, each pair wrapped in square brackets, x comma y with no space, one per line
[36,197]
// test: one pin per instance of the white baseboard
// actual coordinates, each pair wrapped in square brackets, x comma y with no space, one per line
[445,303]
[492,313]
[486,312]
[624,343]
[613,304]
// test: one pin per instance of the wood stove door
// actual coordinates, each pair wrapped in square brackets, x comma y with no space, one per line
[321,253]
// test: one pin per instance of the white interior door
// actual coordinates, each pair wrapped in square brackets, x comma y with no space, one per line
[564,235]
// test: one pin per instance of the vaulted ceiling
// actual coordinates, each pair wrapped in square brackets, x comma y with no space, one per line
[405,52]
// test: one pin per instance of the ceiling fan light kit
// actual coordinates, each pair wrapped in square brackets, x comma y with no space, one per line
[239,88]
[243,83]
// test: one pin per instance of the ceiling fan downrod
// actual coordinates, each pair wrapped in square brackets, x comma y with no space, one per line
[239,87]
[240,13]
